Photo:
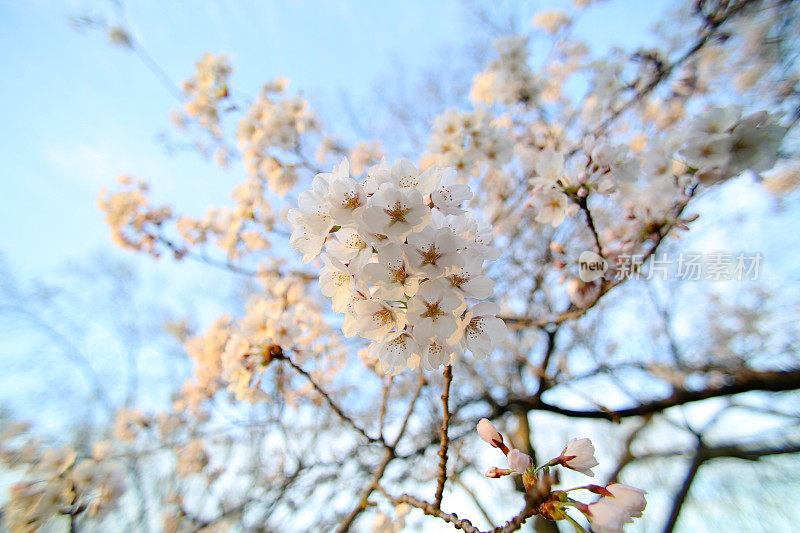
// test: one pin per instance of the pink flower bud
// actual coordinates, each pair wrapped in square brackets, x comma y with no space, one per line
[489,433]
[518,461]
[495,472]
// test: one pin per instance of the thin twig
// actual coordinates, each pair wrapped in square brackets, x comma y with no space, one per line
[584,206]
[332,404]
[448,378]
[471,493]
[384,401]
[374,484]
[462,523]
[364,497]
[404,425]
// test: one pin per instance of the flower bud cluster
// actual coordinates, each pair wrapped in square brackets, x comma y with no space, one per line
[559,184]
[619,504]
[402,261]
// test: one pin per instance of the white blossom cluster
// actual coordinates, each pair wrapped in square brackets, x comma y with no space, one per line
[555,180]
[56,481]
[464,140]
[619,504]
[239,230]
[721,143]
[203,92]
[274,121]
[402,260]
[509,79]
[235,354]
[134,224]
[551,21]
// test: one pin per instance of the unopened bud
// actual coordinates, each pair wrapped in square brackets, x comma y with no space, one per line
[529,481]
[597,489]
[495,472]
[518,461]
[489,434]
[553,511]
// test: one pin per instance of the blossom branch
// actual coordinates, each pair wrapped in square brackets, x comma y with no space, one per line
[664,72]
[658,234]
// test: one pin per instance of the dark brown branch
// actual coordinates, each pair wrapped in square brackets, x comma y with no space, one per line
[583,204]
[683,493]
[754,454]
[448,378]
[432,510]
[548,355]
[745,381]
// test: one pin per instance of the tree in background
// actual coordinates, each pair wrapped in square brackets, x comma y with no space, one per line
[514,271]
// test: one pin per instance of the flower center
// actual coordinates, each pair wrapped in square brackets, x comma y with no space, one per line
[351,200]
[457,280]
[382,317]
[432,310]
[430,255]
[397,213]
[398,275]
